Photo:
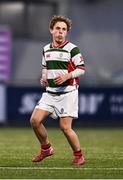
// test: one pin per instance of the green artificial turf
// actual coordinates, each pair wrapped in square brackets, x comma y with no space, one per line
[103,149]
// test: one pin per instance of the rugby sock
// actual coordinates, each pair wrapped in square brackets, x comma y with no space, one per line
[45,146]
[77,153]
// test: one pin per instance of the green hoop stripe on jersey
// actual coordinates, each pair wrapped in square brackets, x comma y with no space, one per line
[81,65]
[54,49]
[57,65]
[74,51]
[52,84]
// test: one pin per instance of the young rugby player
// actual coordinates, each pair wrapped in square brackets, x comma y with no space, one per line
[62,64]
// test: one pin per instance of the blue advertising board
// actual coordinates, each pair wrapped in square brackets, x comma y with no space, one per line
[20,104]
[96,105]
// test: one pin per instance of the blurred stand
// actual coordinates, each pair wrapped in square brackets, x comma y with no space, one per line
[5,68]
[97,30]
[2,104]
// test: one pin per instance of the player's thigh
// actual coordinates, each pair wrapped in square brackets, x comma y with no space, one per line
[38,115]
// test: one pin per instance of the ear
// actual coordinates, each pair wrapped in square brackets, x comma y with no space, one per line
[51,31]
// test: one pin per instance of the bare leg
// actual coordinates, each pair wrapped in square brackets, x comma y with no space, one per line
[37,117]
[66,127]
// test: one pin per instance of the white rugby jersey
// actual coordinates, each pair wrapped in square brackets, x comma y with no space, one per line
[59,61]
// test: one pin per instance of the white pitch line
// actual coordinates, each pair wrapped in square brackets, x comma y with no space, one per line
[59,168]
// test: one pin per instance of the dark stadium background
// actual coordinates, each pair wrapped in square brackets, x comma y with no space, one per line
[97,30]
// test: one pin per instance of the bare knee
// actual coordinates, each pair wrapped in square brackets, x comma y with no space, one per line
[66,125]
[65,129]
[35,122]
[37,117]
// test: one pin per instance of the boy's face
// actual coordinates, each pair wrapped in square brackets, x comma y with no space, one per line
[59,32]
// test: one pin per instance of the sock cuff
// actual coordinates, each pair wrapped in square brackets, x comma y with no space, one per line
[45,146]
[77,153]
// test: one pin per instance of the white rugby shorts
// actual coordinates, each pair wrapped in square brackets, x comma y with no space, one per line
[60,105]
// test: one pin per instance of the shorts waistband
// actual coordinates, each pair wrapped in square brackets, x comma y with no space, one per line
[56,93]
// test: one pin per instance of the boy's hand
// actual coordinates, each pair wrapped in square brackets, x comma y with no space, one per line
[43,82]
[60,79]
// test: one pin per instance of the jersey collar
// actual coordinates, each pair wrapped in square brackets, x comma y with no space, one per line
[60,45]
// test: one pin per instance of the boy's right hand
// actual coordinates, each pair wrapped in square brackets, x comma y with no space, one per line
[43,82]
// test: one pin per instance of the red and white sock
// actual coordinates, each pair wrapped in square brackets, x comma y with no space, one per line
[77,154]
[45,146]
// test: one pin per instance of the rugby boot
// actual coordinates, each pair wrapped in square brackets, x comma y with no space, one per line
[43,154]
[78,161]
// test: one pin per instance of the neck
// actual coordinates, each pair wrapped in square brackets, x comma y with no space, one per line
[58,44]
